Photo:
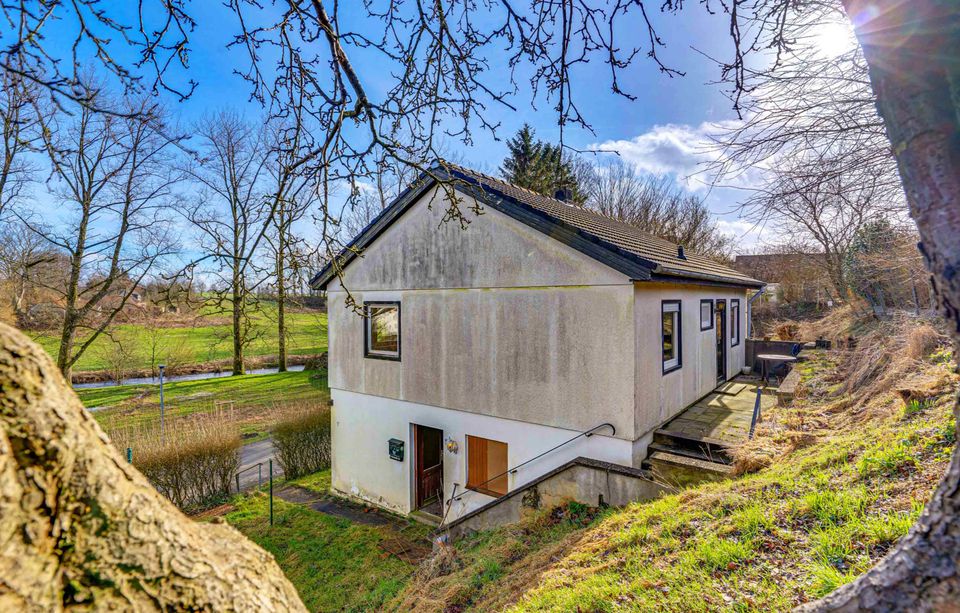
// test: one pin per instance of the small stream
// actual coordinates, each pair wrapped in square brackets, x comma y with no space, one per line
[174,378]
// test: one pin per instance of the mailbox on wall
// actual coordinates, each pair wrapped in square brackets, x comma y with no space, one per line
[395,446]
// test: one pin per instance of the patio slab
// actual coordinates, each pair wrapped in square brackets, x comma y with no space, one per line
[722,416]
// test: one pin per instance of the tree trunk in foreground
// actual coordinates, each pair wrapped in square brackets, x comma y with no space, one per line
[913,50]
[82,529]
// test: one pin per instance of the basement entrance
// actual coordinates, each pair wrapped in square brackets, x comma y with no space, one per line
[428,469]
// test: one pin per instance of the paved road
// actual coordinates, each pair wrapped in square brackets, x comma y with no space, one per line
[250,455]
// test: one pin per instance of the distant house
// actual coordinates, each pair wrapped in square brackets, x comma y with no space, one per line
[790,277]
[479,349]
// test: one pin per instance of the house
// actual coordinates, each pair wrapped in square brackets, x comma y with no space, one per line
[790,277]
[465,362]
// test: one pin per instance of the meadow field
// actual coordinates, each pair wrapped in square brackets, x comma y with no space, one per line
[203,338]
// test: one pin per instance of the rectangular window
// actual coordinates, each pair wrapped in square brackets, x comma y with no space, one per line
[670,327]
[486,466]
[706,314]
[734,323]
[382,330]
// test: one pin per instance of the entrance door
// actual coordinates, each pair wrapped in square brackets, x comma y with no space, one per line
[720,325]
[428,468]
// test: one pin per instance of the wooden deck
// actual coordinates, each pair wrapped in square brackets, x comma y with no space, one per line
[723,416]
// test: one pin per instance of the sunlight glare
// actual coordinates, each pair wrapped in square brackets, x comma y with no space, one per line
[834,39]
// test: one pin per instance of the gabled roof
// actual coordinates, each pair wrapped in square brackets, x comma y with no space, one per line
[639,255]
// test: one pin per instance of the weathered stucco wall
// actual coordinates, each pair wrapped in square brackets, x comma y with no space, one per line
[363,425]
[498,319]
[661,396]
[420,251]
[495,319]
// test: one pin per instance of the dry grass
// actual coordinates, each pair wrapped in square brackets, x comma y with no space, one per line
[489,570]
[922,340]
[835,327]
[302,438]
[193,463]
[847,481]
[892,363]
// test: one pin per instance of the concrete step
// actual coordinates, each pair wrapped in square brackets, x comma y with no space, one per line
[712,450]
[696,454]
[682,471]
[426,518]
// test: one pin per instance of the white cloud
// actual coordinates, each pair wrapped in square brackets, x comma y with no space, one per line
[681,150]
[365,187]
[744,233]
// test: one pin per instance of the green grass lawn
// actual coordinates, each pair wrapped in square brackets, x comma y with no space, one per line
[789,534]
[844,480]
[253,395]
[335,564]
[307,334]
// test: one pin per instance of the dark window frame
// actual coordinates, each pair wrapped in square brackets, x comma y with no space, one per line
[734,321]
[712,315]
[366,329]
[678,336]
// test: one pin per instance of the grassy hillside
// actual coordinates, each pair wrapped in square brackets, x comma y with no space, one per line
[210,339]
[841,476]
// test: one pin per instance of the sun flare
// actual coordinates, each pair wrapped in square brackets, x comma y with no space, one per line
[833,39]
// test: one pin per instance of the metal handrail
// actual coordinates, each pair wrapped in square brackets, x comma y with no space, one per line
[259,467]
[756,413]
[510,471]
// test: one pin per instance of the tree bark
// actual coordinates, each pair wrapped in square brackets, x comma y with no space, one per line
[913,50]
[237,299]
[81,529]
[281,301]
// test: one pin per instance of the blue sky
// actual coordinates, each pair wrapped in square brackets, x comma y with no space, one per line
[662,131]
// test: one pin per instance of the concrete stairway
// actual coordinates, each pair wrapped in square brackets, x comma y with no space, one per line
[680,461]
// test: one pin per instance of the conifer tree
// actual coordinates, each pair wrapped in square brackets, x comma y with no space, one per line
[540,166]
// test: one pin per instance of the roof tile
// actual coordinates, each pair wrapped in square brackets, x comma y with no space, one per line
[617,233]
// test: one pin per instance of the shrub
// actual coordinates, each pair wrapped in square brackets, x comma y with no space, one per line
[921,341]
[302,440]
[194,465]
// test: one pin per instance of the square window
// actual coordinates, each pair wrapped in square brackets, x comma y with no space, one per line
[706,314]
[671,339]
[486,466]
[382,330]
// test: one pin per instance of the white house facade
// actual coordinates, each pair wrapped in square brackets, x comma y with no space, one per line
[466,362]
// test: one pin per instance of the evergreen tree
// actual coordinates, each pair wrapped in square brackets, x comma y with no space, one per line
[540,166]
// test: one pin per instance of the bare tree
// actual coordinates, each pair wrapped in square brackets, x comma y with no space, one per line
[19,114]
[117,353]
[812,148]
[439,50]
[157,345]
[293,196]
[655,205]
[821,208]
[26,261]
[810,106]
[232,215]
[111,174]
